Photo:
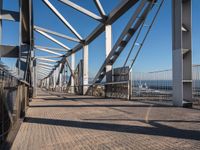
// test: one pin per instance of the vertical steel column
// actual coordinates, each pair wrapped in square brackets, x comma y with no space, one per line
[47,83]
[182,51]
[35,78]
[54,79]
[108,42]
[73,69]
[1,7]
[2,105]
[85,69]
[60,78]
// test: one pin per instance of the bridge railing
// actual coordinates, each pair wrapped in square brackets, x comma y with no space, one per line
[158,84]
[14,98]
[120,90]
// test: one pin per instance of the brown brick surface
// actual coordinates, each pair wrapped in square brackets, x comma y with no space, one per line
[87,123]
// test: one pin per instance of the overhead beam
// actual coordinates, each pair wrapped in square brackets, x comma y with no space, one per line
[51,48]
[48,60]
[52,39]
[58,14]
[48,56]
[82,10]
[100,8]
[48,51]
[57,34]
[123,7]
[129,30]
[43,71]
[46,64]
[9,15]
[9,51]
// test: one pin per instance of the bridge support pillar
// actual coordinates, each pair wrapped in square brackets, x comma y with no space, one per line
[73,69]
[108,34]
[54,79]
[182,52]
[47,86]
[35,78]
[60,78]
[85,69]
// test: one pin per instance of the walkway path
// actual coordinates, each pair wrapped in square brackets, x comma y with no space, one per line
[78,122]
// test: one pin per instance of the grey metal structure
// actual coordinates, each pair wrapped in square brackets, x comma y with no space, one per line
[182,51]
[23,50]
[49,69]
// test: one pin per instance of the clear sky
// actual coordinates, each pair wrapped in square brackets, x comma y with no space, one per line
[156,53]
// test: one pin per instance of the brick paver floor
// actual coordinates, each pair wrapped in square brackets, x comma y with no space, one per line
[80,122]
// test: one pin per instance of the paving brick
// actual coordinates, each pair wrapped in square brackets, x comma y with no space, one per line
[87,123]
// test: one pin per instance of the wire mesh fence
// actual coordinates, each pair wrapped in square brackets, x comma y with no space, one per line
[158,84]
[196,82]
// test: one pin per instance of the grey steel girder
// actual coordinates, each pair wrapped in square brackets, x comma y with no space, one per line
[52,39]
[82,10]
[182,51]
[123,7]
[100,8]
[9,15]
[57,34]
[141,12]
[57,13]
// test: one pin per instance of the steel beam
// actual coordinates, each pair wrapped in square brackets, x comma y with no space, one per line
[41,73]
[48,60]
[52,39]
[25,16]
[48,56]
[57,34]
[123,7]
[82,10]
[125,37]
[44,72]
[9,15]
[57,13]
[60,76]
[48,51]
[51,48]
[73,69]
[44,67]
[100,8]
[108,45]
[46,64]
[85,69]
[35,78]
[9,51]
[182,52]
[1,8]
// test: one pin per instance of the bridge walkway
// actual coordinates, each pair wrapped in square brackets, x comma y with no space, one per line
[56,121]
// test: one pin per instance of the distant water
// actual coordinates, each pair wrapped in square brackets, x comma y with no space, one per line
[160,84]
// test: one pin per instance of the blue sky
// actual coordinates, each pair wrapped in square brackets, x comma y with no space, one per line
[156,53]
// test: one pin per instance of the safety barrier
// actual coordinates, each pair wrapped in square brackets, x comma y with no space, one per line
[14,99]
[158,84]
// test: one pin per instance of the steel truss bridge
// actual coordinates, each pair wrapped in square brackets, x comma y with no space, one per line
[49,73]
